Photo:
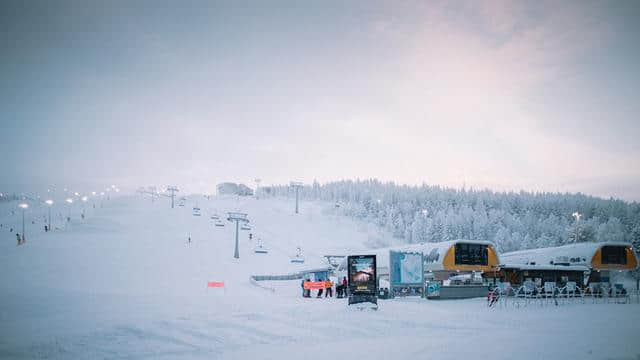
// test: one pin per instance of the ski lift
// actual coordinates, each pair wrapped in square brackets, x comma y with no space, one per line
[260,249]
[215,217]
[298,259]
[219,223]
[244,226]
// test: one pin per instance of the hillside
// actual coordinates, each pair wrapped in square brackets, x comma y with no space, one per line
[124,283]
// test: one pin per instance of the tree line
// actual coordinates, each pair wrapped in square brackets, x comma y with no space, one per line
[511,220]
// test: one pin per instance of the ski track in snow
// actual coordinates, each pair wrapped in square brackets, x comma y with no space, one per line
[124,284]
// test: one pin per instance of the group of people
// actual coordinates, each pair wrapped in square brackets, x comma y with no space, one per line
[341,288]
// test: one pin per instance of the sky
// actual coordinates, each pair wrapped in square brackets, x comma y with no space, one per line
[533,95]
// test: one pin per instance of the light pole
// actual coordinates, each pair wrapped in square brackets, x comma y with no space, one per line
[24,207]
[84,201]
[296,185]
[69,201]
[257,186]
[50,203]
[577,215]
[238,218]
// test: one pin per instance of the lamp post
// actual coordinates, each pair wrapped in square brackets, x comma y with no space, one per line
[257,186]
[69,201]
[84,201]
[577,215]
[50,203]
[238,218]
[23,206]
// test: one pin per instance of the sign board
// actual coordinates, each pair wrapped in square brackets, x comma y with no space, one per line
[362,279]
[433,290]
[406,268]
[215,284]
[314,285]
[549,287]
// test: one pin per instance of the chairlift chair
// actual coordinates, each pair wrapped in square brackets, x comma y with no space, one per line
[196,211]
[298,259]
[260,249]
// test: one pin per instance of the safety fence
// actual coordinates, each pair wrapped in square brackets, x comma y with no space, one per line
[255,279]
[525,295]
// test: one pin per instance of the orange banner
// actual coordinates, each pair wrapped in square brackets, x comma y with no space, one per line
[314,285]
[215,284]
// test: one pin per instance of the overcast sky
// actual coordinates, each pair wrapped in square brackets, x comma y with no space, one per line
[505,95]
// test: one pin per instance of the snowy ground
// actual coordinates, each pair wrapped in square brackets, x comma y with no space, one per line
[123,283]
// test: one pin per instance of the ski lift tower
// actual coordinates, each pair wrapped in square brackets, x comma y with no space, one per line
[296,185]
[173,190]
[238,218]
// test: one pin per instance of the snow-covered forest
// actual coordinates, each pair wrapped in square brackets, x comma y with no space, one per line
[513,221]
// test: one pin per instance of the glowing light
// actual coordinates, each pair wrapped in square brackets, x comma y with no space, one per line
[49,202]
[84,198]
[23,205]
[69,200]
[76,194]
[93,193]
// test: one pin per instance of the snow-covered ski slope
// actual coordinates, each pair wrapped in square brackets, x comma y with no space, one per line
[124,283]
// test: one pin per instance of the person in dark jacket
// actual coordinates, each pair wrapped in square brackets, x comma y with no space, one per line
[319,290]
[328,285]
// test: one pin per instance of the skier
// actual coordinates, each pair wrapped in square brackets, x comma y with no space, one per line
[18,237]
[328,288]
[344,286]
[189,240]
[319,290]
[302,286]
